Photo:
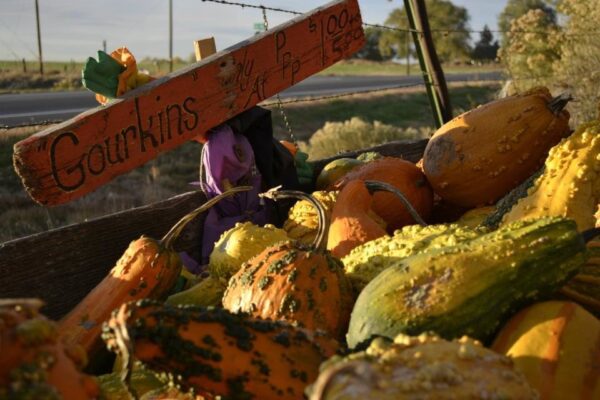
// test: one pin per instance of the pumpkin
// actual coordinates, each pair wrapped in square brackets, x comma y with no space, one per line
[302,223]
[556,345]
[404,176]
[240,243]
[212,350]
[334,170]
[291,282]
[351,224]
[148,269]
[479,156]
[423,367]
[34,362]
[570,185]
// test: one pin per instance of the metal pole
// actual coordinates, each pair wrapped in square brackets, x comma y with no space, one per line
[433,75]
[170,35]
[39,37]
[434,66]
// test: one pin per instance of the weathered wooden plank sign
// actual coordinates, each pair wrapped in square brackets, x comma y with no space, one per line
[71,159]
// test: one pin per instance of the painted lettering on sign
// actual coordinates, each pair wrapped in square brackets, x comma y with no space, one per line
[65,162]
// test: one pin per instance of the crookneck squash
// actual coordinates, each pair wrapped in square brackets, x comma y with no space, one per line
[148,269]
[213,350]
[404,176]
[570,184]
[556,345]
[468,288]
[291,282]
[423,367]
[481,155]
[351,221]
[34,362]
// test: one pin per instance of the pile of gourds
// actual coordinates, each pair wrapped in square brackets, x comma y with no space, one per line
[375,287]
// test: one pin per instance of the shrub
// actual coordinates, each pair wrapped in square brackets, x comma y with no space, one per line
[336,137]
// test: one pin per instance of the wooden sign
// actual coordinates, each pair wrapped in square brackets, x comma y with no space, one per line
[71,159]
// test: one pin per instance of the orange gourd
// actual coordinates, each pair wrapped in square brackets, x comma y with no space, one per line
[34,362]
[479,156]
[212,350]
[148,269]
[404,176]
[352,223]
[294,283]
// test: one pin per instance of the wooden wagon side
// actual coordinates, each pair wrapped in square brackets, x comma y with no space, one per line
[62,265]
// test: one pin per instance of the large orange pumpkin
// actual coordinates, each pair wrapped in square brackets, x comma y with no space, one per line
[403,175]
[294,283]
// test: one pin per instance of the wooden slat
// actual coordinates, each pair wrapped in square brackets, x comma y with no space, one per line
[62,265]
[67,161]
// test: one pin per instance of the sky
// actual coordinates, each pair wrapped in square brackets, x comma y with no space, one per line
[74,30]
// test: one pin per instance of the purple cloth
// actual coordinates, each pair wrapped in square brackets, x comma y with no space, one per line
[228,157]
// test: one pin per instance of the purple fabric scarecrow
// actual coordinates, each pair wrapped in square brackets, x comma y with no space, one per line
[228,161]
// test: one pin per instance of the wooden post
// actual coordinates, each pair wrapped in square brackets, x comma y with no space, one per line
[39,37]
[204,48]
[24,66]
[170,35]
[69,160]
[433,75]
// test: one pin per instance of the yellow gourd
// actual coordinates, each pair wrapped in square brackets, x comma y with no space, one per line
[239,244]
[570,184]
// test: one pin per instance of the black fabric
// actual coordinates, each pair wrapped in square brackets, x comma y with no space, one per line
[273,160]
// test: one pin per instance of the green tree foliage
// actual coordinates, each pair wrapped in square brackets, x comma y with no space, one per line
[517,8]
[486,49]
[449,25]
[371,49]
[531,48]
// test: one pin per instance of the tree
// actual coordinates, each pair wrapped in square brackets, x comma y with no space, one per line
[371,49]
[449,25]
[486,49]
[517,8]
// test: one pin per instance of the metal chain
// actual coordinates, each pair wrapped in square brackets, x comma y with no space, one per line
[286,121]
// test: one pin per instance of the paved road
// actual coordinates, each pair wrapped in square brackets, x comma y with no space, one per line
[36,107]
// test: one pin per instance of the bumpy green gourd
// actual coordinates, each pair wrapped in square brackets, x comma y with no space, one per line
[239,244]
[471,287]
[423,367]
[570,184]
[367,260]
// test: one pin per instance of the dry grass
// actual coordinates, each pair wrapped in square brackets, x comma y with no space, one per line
[171,173]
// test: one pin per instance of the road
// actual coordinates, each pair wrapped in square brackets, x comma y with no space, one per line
[25,108]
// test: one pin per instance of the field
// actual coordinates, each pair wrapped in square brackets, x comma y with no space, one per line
[171,173]
[67,75]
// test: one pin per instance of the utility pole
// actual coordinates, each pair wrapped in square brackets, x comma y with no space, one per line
[39,37]
[104,45]
[170,35]
[407,53]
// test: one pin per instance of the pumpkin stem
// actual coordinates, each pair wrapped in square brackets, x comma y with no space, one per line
[276,194]
[590,234]
[176,230]
[557,104]
[374,186]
